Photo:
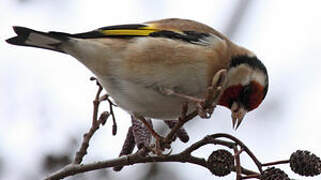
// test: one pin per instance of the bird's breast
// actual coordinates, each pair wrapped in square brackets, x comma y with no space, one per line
[148,101]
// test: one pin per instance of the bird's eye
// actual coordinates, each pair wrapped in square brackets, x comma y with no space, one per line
[245,95]
[252,95]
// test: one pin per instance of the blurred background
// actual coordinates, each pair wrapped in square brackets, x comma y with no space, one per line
[46,97]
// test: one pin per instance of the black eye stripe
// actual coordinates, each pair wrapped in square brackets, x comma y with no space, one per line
[247,90]
[245,95]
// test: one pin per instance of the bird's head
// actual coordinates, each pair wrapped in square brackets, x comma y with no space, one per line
[246,86]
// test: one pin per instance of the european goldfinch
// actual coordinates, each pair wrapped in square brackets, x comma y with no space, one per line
[135,62]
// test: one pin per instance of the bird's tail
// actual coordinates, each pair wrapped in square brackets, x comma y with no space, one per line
[45,40]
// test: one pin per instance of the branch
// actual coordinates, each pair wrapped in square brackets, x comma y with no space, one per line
[183,157]
[312,162]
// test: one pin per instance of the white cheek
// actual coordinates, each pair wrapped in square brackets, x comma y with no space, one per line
[239,75]
[243,75]
[259,77]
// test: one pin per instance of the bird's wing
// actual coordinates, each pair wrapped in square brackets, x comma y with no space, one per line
[178,29]
[182,25]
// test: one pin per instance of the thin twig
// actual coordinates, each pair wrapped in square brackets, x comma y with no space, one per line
[276,163]
[180,133]
[111,111]
[256,176]
[208,140]
[238,163]
[239,152]
[94,126]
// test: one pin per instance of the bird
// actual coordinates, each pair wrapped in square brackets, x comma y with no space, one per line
[136,62]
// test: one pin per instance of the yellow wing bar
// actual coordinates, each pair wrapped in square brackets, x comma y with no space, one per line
[128,32]
[143,30]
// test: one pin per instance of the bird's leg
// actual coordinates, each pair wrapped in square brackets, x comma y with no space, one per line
[199,102]
[184,96]
[213,94]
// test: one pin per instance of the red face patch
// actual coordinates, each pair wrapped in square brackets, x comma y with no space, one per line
[230,95]
[249,96]
[256,96]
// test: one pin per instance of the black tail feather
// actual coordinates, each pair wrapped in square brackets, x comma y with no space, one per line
[22,33]
[50,40]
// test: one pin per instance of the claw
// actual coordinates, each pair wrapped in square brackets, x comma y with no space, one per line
[238,113]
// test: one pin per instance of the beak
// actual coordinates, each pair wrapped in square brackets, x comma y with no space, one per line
[238,113]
